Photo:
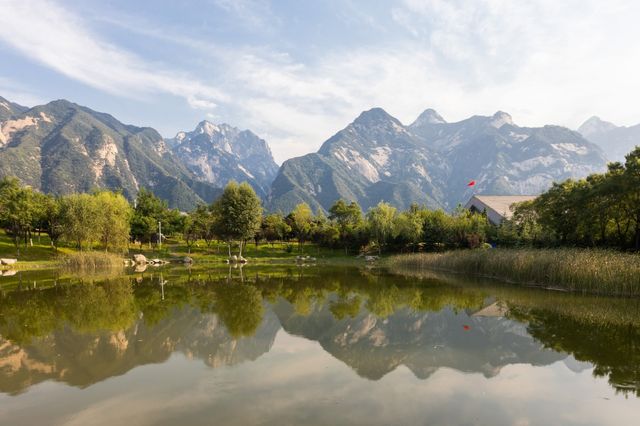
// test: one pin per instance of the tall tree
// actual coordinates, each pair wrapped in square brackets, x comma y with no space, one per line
[80,216]
[348,217]
[275,228]
[113,223]
[301,220]
[17,210]
[632,174]
[238,213]
[381,223]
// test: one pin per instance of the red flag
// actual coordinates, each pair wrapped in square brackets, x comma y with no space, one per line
[471,183]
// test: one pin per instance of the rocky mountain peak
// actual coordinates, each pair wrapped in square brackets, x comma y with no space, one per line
[429,116]
[218,153]
[374,116]
[501,118]
[207,128]
[595,125]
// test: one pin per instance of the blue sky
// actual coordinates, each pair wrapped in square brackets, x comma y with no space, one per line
[295,72]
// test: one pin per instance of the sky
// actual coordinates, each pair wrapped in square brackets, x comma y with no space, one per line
[296,72]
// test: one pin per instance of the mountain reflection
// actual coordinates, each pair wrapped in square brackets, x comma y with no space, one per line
[81,332]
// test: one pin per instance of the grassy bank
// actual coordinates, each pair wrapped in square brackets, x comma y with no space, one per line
[582,270]
[42,255]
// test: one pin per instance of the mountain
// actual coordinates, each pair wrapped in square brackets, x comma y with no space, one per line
[8,109]
[219,153]
[82,359]
[62,148]
[421,341]
[377,158]
[615,141]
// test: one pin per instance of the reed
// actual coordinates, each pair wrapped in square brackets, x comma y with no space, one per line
[91,260]
[583,270]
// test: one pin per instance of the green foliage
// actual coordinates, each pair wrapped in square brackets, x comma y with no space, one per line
[80,215]
[348,218]
[19,210]
[275,228]
[301,219]
[238,213]
[381,222]
[601,210]
[113,220]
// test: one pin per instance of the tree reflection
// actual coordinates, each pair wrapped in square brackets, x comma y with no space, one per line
[359,317]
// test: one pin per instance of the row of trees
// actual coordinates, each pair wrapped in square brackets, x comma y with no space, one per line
[602,210]
[83,220]
[236,217]
[106,220]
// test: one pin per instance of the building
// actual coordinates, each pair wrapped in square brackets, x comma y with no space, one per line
[497,207]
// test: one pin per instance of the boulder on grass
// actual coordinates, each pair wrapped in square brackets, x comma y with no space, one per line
[139,259]
[187,260]
[8,261]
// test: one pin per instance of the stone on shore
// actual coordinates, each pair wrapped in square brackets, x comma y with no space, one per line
[8,261]
[140,259]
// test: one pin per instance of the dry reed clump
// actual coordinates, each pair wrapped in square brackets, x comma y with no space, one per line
[92,260]
[585,270]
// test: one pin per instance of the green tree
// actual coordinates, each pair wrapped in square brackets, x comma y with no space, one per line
[348,217]
[113,223]
[238,214]
[301,221]
[632,199]
[190,231]
[275,228]
[17,210]
[204,223]
[381,222]
[80,217]
[409,225]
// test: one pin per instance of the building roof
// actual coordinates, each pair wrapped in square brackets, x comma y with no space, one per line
[498,207]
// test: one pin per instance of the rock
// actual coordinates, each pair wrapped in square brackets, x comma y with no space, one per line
[8,261]
[370,258]
[233,259]
[242,260]
[9,273]
[139,259]
[187,260]
[141,267]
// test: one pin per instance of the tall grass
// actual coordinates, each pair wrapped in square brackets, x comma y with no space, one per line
[583,270]
[91,260]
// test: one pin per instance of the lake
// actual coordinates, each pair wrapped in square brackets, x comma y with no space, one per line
[311,345]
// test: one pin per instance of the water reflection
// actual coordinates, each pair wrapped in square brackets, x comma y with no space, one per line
[83,331]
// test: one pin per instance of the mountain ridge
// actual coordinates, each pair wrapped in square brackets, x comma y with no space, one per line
[219,153]
[377,158]
[615,141]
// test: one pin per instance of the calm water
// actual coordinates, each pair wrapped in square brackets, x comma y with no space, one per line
[311,346]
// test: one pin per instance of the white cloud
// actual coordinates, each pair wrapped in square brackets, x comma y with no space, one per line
[55,37]
[542,61]
[254,14]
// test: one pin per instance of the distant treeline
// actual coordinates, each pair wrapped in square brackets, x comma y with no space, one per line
[601,210]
